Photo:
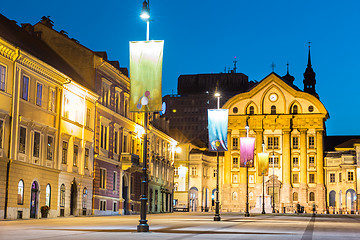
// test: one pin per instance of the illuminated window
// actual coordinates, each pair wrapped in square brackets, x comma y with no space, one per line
[235,161]
[39,88]
[22,140]
[1,132]
[36,147]
[295,142]
[86,160]
[332,177]
[50,148]
[311,196]
[251,110]
[102,178]
[295,197]
[2,77]
[350,176]
[295,109]
[295,178]
[273,142]
[48,195]
[64,152]
[276,161]
[52,99]
[311,161]
[235,143]
[25,88]
[20,196]
[273,109]
[103,137]
[105,94]
[62,195]
[311,142]
[76,154]
[84,198]
[295,161]
[311,178]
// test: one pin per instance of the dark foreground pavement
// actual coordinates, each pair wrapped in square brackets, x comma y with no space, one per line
[186,226]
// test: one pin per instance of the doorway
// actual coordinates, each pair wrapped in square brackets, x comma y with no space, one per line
[125,195]
[73,198]
[34,199]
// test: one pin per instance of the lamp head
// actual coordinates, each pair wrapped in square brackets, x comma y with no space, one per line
[145,12]
[217,94]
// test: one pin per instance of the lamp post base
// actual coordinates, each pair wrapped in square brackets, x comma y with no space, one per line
[217,217]
[247,214]
[263,212]
[143,227]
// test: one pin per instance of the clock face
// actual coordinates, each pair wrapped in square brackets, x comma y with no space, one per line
[273,97]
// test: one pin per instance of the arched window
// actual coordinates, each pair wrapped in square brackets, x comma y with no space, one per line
[20,198]
[62,195]
[273,109]
[295,197]
[235,110]
[312,196]
[251,196]
[295,109]
[234,196]
[48,195]
[251,110]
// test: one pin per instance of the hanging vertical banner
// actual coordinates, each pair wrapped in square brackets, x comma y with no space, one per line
[145,76]
[247,146]
[263,163]
[218,126]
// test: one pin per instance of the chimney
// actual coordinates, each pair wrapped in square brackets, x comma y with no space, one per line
[47,21]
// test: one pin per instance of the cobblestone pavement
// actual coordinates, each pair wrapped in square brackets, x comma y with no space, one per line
[186,226]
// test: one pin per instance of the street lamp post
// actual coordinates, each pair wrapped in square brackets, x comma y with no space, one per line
[247,214]
[217,210]
[273,193]
[263,180]
[143,225]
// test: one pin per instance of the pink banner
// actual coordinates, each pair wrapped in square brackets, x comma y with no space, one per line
[247,146]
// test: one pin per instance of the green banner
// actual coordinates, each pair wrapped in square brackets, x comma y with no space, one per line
[145,76]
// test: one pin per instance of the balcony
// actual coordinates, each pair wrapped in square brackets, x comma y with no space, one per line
[129,160]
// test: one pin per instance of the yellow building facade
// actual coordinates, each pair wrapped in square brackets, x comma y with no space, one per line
[291,124]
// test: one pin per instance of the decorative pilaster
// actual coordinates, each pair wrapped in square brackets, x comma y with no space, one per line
[303,167]
[320,188]
[286,169]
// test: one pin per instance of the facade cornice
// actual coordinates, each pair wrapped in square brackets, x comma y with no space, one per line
[114,73]
[8,51]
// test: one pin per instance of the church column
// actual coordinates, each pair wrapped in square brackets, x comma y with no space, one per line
[286,168]
[320,188]
[303,168]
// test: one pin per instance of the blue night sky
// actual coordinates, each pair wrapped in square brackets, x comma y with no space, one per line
[204,36]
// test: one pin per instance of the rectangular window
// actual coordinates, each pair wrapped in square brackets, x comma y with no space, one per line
[115,207]
[295,142]
[39,94]
[214,173]
[176,171]
[103,140]
[114,180]
[36,149]
[50,148]
[235,161]
[235,143]
[52,99]
[340,177]
[295,178]
[332,177]
[311,161]
[22,140]
[273,142]
[350,176]
[2,77]
[235,178]
[102,178]
[311,142]
[1,132]
[105,94]
[193,171]
[116,141]
[102,205]
[125,144]
[295,162]
[276,161]
[25,88]
[88,115]
[76,154]
[86,160]
[64,152]
[311,178]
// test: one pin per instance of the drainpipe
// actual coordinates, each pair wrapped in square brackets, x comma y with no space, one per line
[15,106]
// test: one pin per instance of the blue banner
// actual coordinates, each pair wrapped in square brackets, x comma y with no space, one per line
[218,126]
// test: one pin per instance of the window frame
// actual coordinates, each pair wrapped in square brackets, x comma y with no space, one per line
[22,145]
[21,202]
[102,176]
[86,158]
[295,142]
[64,152]
[273,110]
[26,89]
[311,177]
[311,140]
[75,154]
[48,195]
[3,75]
[2,133]
[39,94]
[50,149]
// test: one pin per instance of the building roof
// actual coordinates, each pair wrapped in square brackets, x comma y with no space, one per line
[340,141]
[30,43]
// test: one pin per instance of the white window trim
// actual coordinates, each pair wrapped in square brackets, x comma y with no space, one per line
[5,77]
[28,88]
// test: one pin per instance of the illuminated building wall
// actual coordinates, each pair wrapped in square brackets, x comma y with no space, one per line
[291,123]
